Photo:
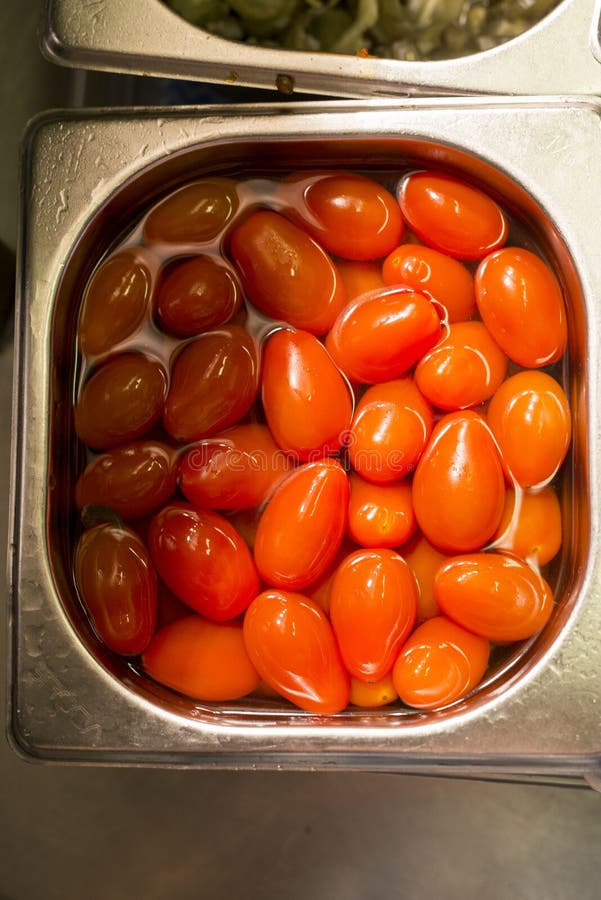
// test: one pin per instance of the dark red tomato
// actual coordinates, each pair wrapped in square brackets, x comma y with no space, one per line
[307,402]
[380,515]
[303,525]
[201,557]
[498,597]
[359,277]
[458,487]
[285,273]
[197,295]
[381,336]
[121,401]
[440,663]
[194,214]
[451,215]
[291,644]
[214,383]
[237,469]
[390,430]
[134,480]
[118,587]
[204,660]
[520,301]
[439,276]
[114,302]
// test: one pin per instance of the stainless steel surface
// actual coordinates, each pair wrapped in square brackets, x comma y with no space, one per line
[559,55]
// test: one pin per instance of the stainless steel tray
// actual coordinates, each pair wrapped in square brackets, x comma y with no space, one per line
[559,55]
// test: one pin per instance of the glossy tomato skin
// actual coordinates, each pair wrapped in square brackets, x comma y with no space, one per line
[204,660]
[531,525]
[440,663]
[531,410]
[307,403]
[285,273]
[373,604]
[439,276]
[303,525]
[359,277]
[458,487]
[197,295]
[424,560]
[380,515]
[452,216]
[521,304]
[234,470]
[201,557]
[371,695]
[291,644]
[118,587]
[196,213]
[121,401]
[214,383]
[381,336]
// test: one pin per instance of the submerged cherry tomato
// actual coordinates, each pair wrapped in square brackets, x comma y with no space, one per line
[424,560]
[121,401]
[196,295]
[531,525]
[373,604]
[303,525]
[214,383]
[458,487]
[380,515]
[285,273]
[359,277]
[196,213]
[441,277]
[440,663]
[530,419]
[498,597]
[451,215]
[307,402]
[520,301]
[373,694]
[201,557]
[204,660]
[291,644]
[118,587]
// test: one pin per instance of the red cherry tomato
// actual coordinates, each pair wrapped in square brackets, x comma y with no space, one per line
[439,276]
[371,695]
[237,469]
[201,557]
[303,525]
[307,402]
[134,480]
[424,560]
[373,604]
[121,401]
[204,660]
[530,419]
[498,597]
[520,301]
[531,526]
[440,663]
[214,383]
[381,336]
[451,215]
[291,644]
[194,214]
[197,295]
[458,487]
[118,587]
[390,430]
[285,273]
[380,515]
[359,277]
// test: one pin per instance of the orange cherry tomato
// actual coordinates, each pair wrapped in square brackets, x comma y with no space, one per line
[458,487]
[390,430]
[440,663]
[371,695]
[197,295]
[237,469]
[118,587]
[520,301]
[134,479]
[381,336]
[498,597]
[214,383]
[204,660]
[114,303]
[531,526]
[380,515]
[424,560]
[303,525]
[201,557]
[464,369]
[359,277]
[530,419]
[373,604]
[121,401]
[307,402]
[451,215]
[285,273]
[441,277]
[291,644]
[194,214]
[319,590]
